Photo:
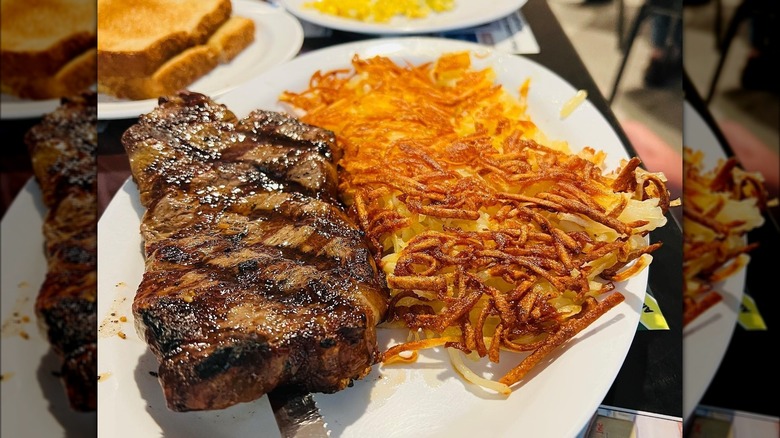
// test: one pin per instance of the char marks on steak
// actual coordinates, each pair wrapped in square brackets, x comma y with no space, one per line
[63,149]
[255,278]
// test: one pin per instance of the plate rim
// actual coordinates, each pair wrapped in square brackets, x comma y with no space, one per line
[18,109]
[344,24]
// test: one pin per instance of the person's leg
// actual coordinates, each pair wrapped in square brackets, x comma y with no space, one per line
[677,39]
[761,68]
[665,56]
[656,154]
[659,32]
[753,154]
[763,37]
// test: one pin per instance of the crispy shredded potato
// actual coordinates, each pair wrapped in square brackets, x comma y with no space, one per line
[720,206]
[491,236]
[573,103]
[380,11]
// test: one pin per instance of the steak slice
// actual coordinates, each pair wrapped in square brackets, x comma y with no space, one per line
[63,149]
[255,278]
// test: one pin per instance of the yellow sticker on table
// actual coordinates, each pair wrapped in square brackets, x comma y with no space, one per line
[749,316]
[651,317]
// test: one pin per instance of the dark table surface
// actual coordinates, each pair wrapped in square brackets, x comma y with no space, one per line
[651,377]
[15,168]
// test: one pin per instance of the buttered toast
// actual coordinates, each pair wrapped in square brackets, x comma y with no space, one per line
[137,37]
[152,48]
[76,75]
[47,47]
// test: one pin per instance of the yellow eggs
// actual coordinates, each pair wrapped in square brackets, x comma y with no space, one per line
[381,11]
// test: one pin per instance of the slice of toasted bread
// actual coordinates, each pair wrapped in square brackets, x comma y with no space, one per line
[40,36]
[138,37]
[232,38]
[177,73]
[73,78]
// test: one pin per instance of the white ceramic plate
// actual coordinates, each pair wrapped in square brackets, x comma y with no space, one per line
[423,399]
[34,400]
[12,107]
[467,13]
[706,339]
[278,38]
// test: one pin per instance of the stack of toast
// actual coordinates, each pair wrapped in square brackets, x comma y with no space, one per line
[48,48]
[151,48]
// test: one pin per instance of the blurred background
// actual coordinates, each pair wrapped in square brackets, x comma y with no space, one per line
[754,106]
[729,59]
[740,83]
[650,111]
[648,101]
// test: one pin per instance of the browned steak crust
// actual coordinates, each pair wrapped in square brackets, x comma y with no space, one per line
[63,150]
[255,278]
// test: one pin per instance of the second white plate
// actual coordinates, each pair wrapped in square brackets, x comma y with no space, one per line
[35,403]
[466,13]
[706,339]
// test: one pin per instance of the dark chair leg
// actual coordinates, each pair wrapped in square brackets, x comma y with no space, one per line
[621,25]
[640,17]
[740,15]
[718,23]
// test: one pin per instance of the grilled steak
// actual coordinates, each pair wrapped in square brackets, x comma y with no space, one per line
[63,152]
[255,278]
